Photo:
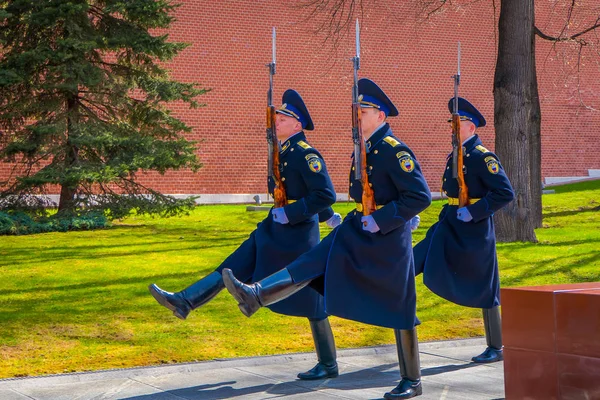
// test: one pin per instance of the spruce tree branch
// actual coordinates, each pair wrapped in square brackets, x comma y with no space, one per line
[103,108]
[90,112]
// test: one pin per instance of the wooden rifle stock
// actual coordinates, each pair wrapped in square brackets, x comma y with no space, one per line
[279,194]
[457,163]
[368,196]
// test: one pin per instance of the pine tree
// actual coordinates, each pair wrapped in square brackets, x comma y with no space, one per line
[83,103]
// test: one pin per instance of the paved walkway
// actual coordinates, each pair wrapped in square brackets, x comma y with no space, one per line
[365,373]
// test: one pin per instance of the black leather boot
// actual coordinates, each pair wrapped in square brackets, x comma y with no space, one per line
[407,345]
[270,290]
[192,297]
[325,346]
[493,337]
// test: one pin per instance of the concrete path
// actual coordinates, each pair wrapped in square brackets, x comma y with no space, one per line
[365,373]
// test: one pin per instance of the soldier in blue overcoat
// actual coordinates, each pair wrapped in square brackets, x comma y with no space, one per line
[364,267]
[279,239]
[458,255]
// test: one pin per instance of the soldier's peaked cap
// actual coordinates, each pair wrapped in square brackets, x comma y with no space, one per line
[371,95]
[466,109]
[293,106]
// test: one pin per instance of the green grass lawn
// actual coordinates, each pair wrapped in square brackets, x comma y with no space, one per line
[78,301]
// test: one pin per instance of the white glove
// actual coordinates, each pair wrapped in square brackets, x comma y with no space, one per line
[463,214]
[369,224]
[279,216]
[334,221]
[414,222]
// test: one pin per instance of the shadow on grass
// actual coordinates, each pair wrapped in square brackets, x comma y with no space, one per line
[522,245]
[540,268]
[96,285]
[33,255]
[567,213]
[577,187]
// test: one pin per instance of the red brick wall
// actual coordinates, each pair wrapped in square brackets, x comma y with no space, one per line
[411,58]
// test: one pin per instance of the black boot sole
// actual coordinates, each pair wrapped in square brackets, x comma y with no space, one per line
[246,309]
[392,396]
[303,377]
[163,302]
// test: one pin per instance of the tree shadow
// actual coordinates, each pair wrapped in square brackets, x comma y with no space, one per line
[32,255]
[98,284]
[521,245]
[540,269]
[567,213]
[576,187]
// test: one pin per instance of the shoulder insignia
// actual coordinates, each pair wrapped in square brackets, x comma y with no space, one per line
[391,141]
[482,149]
[314,162]
[489,158]
[492,165]
[304,145]
[406,161]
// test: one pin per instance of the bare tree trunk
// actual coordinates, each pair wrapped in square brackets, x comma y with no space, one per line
[517,116]
[535,158]
[535,148]
[68,189]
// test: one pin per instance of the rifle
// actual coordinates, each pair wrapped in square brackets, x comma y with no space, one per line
[457,150]
[279,194]
[360,154]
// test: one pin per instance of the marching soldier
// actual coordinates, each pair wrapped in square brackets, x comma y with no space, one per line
[458,255]
[279,239]
[364,267]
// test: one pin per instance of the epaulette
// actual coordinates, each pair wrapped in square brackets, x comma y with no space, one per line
[482,149]
[304,145]
[391,141]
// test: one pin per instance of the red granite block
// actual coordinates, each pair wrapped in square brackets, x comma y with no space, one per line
[528,314]
[578,323]
[528,319]
[578,377]
[530,375]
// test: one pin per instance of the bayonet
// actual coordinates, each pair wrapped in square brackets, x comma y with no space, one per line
[456,120]
[271,135]
[356,128]
[360,155]
[457,148]
[279,195]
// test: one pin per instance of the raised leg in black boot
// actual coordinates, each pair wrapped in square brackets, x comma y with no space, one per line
[325,346]
[271,289]
[192,297]
[493,337]
[407,345]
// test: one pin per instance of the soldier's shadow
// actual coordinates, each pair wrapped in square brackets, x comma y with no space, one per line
[383,378]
